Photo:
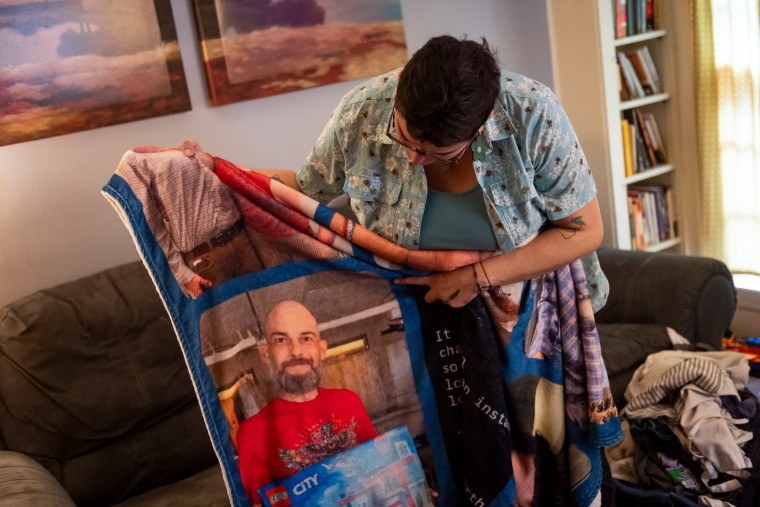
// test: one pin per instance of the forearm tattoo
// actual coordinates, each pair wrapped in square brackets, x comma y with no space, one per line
[569,229]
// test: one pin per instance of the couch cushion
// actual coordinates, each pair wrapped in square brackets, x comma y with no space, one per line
[93,383]
[625,347]
[693,295]
[205,488]
[24,482]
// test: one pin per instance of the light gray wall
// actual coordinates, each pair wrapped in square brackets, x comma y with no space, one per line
[54,224]
[746,321]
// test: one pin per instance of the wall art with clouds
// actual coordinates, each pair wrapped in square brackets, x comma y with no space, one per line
[258,48]
[73,65]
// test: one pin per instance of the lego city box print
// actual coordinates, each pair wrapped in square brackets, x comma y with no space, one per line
[258,48]
[74,65]
[382,471]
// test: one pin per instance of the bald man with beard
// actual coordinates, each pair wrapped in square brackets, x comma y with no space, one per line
[305,423]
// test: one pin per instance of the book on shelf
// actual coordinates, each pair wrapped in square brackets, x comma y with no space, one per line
[639,152]
[641,68]
[631,223]
[631,17]
[631,132]
[649,147]
[647,222]
[630,77]
[636,218]
[670,199]
[642,158]
[658,145]
[650,15]
[625,94]
[651,215]
[621,18]
[630,8]
[641,220]
[641,16]
[625,131]
[646,56]
[663,155]
[658,217]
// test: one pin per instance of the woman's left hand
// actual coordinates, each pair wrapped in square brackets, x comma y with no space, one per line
[455,288]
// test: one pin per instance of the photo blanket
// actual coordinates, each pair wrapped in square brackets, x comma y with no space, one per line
[300,346]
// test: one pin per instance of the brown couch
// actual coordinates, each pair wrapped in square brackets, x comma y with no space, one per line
[695,296]
[96,405]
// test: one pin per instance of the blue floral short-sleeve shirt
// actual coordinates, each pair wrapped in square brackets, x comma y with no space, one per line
[534,169]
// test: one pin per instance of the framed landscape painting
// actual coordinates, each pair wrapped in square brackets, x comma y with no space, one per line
[73,65]
[258,48]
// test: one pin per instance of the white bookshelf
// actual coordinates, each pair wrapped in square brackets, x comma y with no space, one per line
[586,81]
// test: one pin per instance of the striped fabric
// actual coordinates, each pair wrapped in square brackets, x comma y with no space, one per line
[701,372]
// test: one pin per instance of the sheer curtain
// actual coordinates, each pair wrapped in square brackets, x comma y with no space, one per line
[727,63]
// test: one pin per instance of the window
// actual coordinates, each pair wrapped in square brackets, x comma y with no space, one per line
[727,44]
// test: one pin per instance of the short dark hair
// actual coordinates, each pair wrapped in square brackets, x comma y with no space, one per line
[447,89]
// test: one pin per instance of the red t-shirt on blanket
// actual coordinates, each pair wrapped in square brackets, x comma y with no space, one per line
[285,436]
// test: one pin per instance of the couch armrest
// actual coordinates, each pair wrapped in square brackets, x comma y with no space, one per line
[24,482]
[693,295]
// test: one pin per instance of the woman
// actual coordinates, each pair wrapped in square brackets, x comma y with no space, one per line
[451,152]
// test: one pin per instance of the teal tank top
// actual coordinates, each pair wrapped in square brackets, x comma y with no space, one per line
[456,221]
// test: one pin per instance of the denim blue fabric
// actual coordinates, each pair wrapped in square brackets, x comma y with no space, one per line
[534,168]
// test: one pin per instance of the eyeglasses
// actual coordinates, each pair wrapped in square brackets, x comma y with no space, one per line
[449,159]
